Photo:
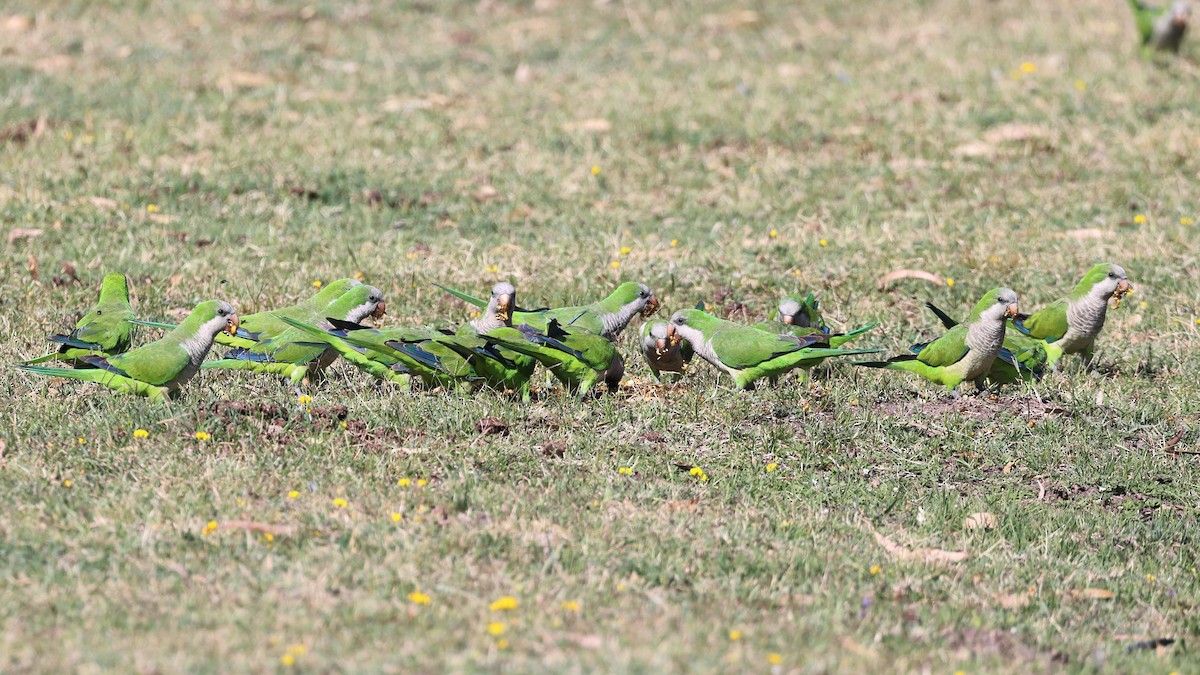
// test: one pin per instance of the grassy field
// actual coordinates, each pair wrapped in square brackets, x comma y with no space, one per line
[243,149]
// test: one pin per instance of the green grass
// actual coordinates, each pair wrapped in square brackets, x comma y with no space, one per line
[242,150]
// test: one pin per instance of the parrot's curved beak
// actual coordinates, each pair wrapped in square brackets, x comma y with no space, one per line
[789,319]
[660,346]
[503,307]
[1011,312]
[673,335]
[380,310]
[231,324]
[651,307]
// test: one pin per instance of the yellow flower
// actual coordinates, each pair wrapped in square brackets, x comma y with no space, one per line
[1139,219]
[397,517]
[950,282]
[140,433]
[340,503]
[152,208]
[774,658]
[625,250]
[773,233]
[735,635]
[1080,85]
[81,440]
[66,483]
[696,471]
[493,268]
[421,482]
[496,628]
[675,242]
[625,471]
[570,606]
[595,169]
[1028,68]
[404,482]
[418,598]
[1150,578]
[875,569]
[209,527]
[505,603]
[1187,221]
[823,243]
[268,537]
[305,399]
[202,436]
[293,494]
[771,467]
[317,283]
[501,644]
[288,660]
[359,276]
[344,425]
[614,264]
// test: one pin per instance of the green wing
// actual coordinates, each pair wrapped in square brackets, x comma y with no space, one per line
[748,347]
[1143,16]
[946,350]
[157,363]
[107,326]
[1049,323]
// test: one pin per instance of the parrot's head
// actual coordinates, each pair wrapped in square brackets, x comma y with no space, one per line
[659,338]
[996,305]
[504,298]
[1104,281]
[681,326]
[1181,14]
[360,302]
[789,309]
[646,296]
[231,320]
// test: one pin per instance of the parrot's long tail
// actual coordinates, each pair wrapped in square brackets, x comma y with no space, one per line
[109,379]
[41,359]
[839,340]
[909,363]
[465,297]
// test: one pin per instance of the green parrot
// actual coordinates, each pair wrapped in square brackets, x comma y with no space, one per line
[1071,325]
[965,352]
[577,357]
[160,368]
[663,351]
[748,354]
[607,318]
[106,330]
[393,354]
[501,369]
[262,325]
[1161,28]
[1022,358]
[802,311]
[292,353]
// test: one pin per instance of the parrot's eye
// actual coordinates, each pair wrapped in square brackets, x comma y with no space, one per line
[1112,275]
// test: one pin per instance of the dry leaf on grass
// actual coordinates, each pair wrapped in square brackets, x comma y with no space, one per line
[980,521]
[1092,594]
[254,526]
[896,275]
[101,202]
[597,125]
[1084,233]
[929,556]
[1013,600]
[19,233]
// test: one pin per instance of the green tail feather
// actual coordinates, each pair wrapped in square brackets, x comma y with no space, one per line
[120,383]
[840,340]
[469,299]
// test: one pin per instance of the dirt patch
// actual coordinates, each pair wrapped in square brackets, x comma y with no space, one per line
[974,407]
[984,642]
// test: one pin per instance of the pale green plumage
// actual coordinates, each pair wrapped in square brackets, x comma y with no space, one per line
[607,317]
[107,329]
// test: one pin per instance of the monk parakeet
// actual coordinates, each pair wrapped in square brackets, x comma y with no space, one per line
[1070,325]
[965,352]
[293,353]
[664,350]
[107,329]
[577,357]
[1161,28]
[746,353]
[500,368]
[800,310]
[393,354]
[158,369]
[1021,358]
[607,318]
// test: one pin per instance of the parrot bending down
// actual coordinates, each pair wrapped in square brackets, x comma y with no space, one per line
[577,357]
[747,354]
[106,330]
[664,352]
[1161,28]
[160,368]
[965,352]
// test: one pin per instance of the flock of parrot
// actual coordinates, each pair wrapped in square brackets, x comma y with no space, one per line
[502,347]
